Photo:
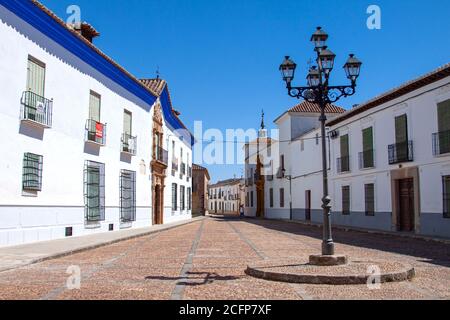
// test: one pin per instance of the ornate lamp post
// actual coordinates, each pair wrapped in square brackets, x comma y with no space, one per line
[320,92]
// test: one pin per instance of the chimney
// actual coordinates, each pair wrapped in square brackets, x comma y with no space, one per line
[85,29]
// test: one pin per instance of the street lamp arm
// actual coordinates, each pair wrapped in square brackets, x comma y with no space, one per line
[334,93]
[331,94]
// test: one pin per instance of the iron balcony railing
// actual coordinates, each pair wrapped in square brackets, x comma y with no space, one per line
[36,109]
[269,177]
[400,152]
[129,143]
[161,155]
[95,132]
[441,142]
[343,164]
[280,173]
[183,169]
[367,159]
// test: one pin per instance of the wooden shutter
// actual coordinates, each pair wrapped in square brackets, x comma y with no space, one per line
[368,147]
[127,121]
[346,200]
[36,76]
[94,106]
[282,198]
[344,146]
[444,116]
[401,129]
[369,192]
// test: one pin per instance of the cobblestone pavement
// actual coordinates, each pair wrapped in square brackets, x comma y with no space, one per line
[207,259]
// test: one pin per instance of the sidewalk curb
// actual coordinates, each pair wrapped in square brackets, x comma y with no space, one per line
[99,245]
[370,231]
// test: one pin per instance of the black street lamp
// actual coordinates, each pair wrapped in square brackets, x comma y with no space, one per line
[320,92]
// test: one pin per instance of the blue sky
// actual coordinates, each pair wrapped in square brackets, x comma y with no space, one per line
[221,58]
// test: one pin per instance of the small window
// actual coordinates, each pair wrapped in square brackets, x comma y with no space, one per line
[174,197]
[182,199]
[127,196]
[32,172]
[346,200]
[446,196]
[369,193]
[271,197]
[282,198]
[94,191]
[189,198]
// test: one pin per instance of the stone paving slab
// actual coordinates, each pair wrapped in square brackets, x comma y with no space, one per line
[23,255]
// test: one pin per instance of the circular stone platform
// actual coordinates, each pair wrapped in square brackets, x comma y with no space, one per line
[355,272]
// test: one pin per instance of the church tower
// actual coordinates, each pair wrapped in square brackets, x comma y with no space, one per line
[259,177]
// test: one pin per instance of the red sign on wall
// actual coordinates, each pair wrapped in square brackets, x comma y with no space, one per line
[99,130]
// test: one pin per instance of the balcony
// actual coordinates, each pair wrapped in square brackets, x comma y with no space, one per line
[269,177]
[343,164]
[183,170]
[36,110]
[367,159]
[95,132]
[280,173]
[161,155]
[129,144]
[400,152]
[441,143]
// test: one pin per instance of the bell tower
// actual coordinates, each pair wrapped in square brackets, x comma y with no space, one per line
[259,177]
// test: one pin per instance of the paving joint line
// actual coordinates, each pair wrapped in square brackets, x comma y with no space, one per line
[178,291]
[52,295]
[248,241]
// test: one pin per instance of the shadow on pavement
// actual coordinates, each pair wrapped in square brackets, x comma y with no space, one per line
[198,279]
[425,251]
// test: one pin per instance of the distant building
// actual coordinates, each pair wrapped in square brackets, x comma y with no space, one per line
[200,182]
[226,197]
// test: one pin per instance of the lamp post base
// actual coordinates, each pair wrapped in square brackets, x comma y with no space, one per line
[329,260]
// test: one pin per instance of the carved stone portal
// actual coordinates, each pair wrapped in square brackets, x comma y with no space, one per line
[158,167]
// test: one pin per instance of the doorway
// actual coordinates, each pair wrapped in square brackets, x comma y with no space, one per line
[308,205]
[406,205]
[158,214]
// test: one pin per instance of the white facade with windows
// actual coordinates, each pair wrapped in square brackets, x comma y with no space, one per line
[225,197]
[389,162]
[77,142]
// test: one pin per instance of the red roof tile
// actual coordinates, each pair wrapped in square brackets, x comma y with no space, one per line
[310,107]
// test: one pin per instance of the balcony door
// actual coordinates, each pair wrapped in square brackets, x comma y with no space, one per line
[401,136]
[36,76]
[444,126]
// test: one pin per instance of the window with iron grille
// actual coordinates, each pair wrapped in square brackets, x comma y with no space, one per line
[182,200]
[127,196]
[446,195]
[32,172]
[189,198]
[94,191]
[247,200]
[281,197]
[346,200]
[174,197]
[369,195]
[251,199]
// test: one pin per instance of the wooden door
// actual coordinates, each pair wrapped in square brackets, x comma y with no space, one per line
[308,205]
[406,204]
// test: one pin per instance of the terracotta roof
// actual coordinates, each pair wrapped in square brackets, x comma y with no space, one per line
[226,182]
[155,85]
[433,76]
[88,43]
[310,107]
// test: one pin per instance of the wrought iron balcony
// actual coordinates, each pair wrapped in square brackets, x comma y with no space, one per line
[343,164]
[183,169]
[36,109]
[269,177]
[129,144]
[280,173]
[441,142]
[95,132]
[367,159]
[161,155]
[400,152]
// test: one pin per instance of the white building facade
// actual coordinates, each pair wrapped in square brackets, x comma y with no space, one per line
[226,197]
[389,161]
[78,134]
